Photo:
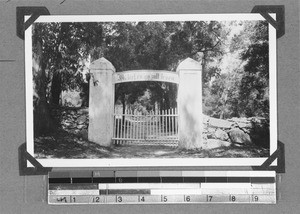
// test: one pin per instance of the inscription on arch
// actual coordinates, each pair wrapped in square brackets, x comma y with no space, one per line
[146,75]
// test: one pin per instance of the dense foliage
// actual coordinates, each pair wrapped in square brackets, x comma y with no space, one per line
[239,90]
[243,91]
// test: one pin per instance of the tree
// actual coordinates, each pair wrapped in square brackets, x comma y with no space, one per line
[128,45]
[136,46]
[161,45]
[241,88]
[42,121]
[63,48]
[221,101]
[255,82]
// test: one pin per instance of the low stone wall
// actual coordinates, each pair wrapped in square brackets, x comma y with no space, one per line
[216,132]
[237,131]
[72,120]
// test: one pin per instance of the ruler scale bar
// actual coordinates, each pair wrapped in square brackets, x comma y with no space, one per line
[136,199]
[151,187]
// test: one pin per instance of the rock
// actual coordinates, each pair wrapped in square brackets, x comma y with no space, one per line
[72,126]
[83,111]
[219,123]
[246,130]
[66,123]
[81,119]
[214,143]
[244,125]
[210,136]
[76,131]
[83,134]
[221,135]
[211,130]
[237,119]
[238,136]
[210,133]
[80,126]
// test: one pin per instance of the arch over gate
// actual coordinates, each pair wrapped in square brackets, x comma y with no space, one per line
[146,75]
[101,103]
[159,127]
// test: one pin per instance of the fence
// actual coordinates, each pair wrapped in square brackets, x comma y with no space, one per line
[151,128]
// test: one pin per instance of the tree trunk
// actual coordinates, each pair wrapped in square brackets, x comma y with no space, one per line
[43,123]
[56,87]
[85,93]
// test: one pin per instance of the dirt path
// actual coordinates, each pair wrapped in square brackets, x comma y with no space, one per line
[66,146]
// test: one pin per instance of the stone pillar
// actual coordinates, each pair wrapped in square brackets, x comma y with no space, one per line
[189,103]
[101,102]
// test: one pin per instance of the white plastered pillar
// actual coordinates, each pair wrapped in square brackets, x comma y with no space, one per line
[101,102]
[189,103]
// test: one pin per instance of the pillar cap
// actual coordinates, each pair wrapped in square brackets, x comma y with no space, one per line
[102,64]
[189,64]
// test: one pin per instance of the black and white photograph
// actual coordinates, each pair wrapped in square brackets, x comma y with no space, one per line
[151,90]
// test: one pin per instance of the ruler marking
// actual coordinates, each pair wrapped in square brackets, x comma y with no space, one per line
[187,198]
[150,187]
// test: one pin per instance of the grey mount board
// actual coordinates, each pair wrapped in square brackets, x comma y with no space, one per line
[27,194]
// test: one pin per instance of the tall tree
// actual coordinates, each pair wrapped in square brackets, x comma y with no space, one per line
[222,98]
[128,45]
[42,122]
[63,48]
[255,81]
[163,45]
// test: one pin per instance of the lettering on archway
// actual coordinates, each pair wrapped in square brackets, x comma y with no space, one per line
[189,102]
[146,75]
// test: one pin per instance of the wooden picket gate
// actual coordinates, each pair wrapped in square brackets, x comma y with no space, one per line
[151,128]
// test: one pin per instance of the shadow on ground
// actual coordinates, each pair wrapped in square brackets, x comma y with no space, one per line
[69,146]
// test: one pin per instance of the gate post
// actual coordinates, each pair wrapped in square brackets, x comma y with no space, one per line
[189,103]
[101,102]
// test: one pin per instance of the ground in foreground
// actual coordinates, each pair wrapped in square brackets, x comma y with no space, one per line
[67,146]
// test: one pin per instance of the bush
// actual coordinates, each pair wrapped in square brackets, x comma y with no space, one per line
[260,132]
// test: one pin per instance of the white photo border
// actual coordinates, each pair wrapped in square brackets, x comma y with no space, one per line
[157,162]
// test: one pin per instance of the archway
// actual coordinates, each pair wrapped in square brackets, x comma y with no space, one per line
[102,120]
[140,121]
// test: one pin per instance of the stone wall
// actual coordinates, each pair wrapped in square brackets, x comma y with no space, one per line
[234,131]
[216,132]
[72,120]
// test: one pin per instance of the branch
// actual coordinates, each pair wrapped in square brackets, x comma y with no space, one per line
[204,50]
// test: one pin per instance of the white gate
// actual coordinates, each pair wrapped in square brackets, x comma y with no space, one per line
[151,128]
